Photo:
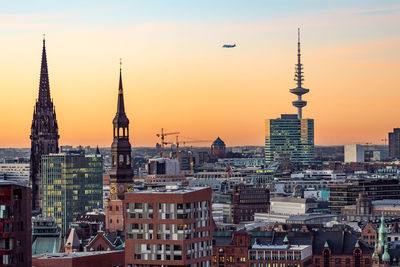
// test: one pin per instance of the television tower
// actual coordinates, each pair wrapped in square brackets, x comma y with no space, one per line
[299,78]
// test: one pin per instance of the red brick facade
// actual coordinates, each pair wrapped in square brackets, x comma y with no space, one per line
[188,225]
[99,243]
[327,259]
[236,253]
[114,215]
[369,235]
[81,259]
[15,225]
[247,201]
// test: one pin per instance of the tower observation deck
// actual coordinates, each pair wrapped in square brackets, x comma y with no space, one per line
[299,78]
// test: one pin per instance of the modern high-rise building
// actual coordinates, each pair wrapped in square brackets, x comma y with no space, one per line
[72,183]
[121,174]
[15,225]
[354,153]
[291,134]
[169,226]
[394,143]
[44,133]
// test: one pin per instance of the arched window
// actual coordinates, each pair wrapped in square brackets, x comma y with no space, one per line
[326,258]
[121,159]
[120,132]
[128,160]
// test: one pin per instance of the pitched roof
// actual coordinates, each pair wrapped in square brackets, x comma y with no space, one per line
[73,239]
[340,242]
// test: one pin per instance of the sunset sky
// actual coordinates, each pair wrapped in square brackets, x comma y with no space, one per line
[177,76]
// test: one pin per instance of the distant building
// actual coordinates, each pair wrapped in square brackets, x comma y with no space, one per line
[218,149]
[394,143]
[171,226]
[354,153]
[72,184]
[367,210]
[15,225]
[342,195]
[292,136]
[18,172]
[247,201]
[292,206]
[163,166]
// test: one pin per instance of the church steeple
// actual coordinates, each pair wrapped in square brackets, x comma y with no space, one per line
[120,105]
[44,87]
[44,132]
[121,170]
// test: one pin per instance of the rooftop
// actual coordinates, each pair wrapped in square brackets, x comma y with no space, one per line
[72,255]
[279,247]
[169,190]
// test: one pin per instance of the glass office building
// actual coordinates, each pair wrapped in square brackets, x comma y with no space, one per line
[72,183]
[292,136]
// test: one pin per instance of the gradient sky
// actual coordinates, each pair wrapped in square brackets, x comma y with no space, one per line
[177,76]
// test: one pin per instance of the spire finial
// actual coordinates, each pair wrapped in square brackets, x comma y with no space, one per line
[120,77]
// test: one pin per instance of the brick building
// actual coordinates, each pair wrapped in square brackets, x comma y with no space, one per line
[231,248]
[249,200]
[80,259]
[369,234]
[15,224]
[170,226]
[340,249]
[291,246]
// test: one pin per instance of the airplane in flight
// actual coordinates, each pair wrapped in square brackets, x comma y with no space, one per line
[228,46]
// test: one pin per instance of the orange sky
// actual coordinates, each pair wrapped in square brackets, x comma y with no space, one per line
[177,76]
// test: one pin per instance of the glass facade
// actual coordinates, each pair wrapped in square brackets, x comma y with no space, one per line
[71,184]
[289,135]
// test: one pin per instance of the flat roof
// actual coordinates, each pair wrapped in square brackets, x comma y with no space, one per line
[279,247]
[172,190]
[72,254]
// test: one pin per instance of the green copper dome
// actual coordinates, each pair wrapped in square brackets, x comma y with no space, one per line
[326,245]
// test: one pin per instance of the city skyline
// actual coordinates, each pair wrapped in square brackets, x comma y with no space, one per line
[231,92]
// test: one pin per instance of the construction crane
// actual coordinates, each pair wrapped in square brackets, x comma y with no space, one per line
[162,136]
